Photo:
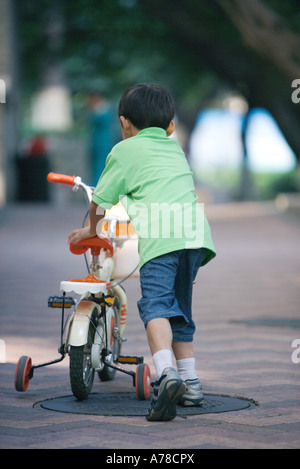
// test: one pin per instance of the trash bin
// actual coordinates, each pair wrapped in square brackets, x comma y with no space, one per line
[32,170]
[32,178]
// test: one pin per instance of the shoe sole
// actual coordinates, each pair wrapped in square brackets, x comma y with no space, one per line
[165,406]
[185,402]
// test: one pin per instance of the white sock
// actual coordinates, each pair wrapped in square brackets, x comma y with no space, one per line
[186,368]
[162,359]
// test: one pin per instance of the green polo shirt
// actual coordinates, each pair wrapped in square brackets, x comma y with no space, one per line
[150,175]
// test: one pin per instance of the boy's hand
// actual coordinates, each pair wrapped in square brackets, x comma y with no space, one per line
[78,235]
[89,231]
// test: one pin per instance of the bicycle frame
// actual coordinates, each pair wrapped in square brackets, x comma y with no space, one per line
[92,334]
[78,326]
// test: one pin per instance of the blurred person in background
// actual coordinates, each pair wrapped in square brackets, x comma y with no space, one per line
[100,134]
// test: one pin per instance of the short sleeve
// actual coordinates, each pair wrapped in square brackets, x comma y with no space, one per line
[111,185]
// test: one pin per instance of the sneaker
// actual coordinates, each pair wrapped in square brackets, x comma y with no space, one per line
[166,393]
[193,395]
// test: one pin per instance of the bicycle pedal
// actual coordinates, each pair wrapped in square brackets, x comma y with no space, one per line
[60,301]
[130,360]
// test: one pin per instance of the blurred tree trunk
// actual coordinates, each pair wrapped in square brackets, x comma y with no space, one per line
[246,189]
[264,31]
[52,70]
[262,65]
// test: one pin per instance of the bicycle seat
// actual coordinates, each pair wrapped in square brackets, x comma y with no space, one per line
[95,244]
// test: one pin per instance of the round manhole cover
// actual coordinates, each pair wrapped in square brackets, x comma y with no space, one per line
[126,404]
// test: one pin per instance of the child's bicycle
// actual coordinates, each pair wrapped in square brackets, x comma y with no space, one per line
[93,333]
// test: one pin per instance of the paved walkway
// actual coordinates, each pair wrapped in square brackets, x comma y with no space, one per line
[246,308]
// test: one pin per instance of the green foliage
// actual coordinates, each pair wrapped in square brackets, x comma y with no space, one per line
[268,185]
[191,47]
[110,44]
[114,43]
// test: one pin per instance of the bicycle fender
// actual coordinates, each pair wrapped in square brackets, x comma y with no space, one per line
[79,323]
[119,292]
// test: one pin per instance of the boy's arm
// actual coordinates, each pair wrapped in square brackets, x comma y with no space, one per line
[88,231]
[106,193]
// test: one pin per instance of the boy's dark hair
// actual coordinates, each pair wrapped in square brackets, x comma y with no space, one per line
[147,105]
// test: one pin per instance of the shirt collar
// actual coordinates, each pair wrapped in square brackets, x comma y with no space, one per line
[153,132]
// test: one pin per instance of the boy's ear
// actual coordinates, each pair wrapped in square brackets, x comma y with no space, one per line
[124,122]
[128,129]
[170,129]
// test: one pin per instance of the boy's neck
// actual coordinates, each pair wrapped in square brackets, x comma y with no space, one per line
[129,130]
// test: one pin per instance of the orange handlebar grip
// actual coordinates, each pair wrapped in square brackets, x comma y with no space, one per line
[61,178]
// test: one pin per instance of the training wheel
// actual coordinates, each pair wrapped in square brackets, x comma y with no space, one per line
[22,373]
[142,381]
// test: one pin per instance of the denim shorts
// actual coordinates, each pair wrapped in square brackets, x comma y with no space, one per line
[167,286]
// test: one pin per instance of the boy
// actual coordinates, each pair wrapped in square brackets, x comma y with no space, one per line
[148,171]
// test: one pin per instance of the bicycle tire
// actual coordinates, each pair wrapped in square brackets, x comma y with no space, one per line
[80,379]
[108,373]
[22,373]
[142,381]
[80,370]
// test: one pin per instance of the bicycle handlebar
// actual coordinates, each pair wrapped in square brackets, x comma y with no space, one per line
[61,178]
[74,181]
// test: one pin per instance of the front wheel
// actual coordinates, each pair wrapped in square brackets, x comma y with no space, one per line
[81,371]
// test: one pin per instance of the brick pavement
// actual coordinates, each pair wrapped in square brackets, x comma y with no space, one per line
[246,308]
